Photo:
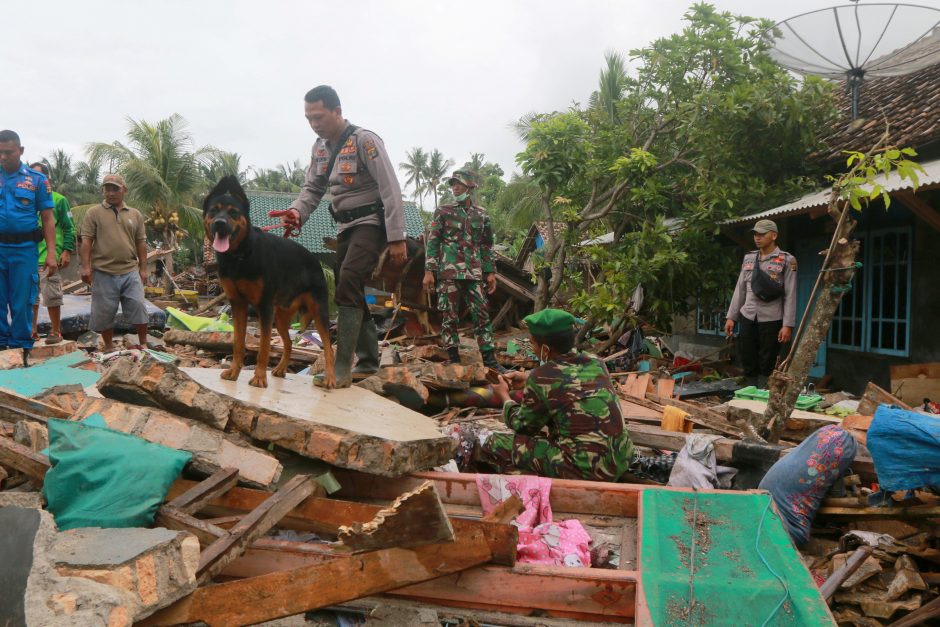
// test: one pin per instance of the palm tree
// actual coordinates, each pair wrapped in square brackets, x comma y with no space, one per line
[164,174]
[414,167]
[223,164]
[272,180]
[436,171]
[476,162]
[294,173]
[612,83]
[61,174]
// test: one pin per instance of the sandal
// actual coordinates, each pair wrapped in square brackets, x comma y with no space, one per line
[53,338]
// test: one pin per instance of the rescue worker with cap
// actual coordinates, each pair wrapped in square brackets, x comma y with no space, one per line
[763,304]
[24,194]
[571,395]
[352,164]
[460,253]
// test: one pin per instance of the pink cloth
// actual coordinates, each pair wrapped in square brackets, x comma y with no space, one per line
[541,541]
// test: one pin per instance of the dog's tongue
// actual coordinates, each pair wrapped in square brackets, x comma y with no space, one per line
[220,243]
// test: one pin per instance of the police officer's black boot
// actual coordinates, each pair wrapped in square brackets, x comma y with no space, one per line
[489,360]
[453,354]
[26,352]
[347,334]
[367,349]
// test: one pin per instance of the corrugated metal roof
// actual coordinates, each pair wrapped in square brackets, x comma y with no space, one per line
[893,183]
[320,224]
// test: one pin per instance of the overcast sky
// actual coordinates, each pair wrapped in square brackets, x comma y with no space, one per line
[429,73]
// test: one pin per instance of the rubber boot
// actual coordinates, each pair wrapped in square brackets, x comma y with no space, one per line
[489,360]
[367,349]
[347,334]
[453,354]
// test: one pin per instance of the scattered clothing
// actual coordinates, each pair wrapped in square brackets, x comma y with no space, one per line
[799,482]
[696,466]
[905,447]
[541,539]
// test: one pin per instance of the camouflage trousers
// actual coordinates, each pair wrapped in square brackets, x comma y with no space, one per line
[606,459]
[449,294]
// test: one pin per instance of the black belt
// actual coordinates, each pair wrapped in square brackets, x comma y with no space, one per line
[19,238]
[349,215]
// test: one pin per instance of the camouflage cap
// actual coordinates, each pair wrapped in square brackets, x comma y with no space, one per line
[113,179]
[765,226]
[550,322]
[467,177]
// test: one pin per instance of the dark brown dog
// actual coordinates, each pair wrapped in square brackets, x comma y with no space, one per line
[275,275]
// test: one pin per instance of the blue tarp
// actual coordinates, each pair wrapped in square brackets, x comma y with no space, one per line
[905,447]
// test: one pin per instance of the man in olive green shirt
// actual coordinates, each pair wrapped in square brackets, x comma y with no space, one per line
[114,262]
[51,286]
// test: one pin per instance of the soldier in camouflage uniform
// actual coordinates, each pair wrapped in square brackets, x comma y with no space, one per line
[460,252]
[571,395]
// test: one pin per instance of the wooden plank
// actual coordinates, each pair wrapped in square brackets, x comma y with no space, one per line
[919,616]
[174,519]
[628,552]
[875,396]
[665,387]
[415,518]
[836,579]
[254,525]
[700,415]
[914,390]
[920,207]
[569,496]
[194,499]
[15,407]
[218,341]
[553,590]
[929,370]
[23,459]
[881,513]
[279,594]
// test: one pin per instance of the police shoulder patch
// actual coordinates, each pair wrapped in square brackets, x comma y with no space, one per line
[372,150]
[793,263]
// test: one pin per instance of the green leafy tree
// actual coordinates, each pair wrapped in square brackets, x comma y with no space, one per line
[708,128]
[271,180]
[164,174]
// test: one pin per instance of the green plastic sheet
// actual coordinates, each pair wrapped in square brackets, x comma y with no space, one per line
[730,583]
[103,478]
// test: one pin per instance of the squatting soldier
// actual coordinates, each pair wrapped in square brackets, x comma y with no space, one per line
[763,304]
[460,252]
[351,164]
[571,395]
[23,194]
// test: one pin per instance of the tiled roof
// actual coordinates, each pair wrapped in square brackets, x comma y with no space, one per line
[911,104]
[320,224]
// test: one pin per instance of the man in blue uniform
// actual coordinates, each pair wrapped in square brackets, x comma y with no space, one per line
[24,194]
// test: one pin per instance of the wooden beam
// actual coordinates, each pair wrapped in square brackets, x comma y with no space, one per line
[875,396]
[174,519]
[194,499]
[253,526]
[881,513]
[15,407]
[415,518]
[702,416]
[558,591]
[279,594]
[836,579]
[919,616]
[23,459]
[920,208]
[569,496]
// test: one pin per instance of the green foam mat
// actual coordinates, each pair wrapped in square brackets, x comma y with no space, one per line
[731,585]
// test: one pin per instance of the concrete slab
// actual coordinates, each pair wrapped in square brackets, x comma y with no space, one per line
[352,408]
[90,546]
[351,428]
[38,378]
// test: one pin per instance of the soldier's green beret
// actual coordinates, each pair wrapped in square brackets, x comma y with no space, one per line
[550,322]
[467,177]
